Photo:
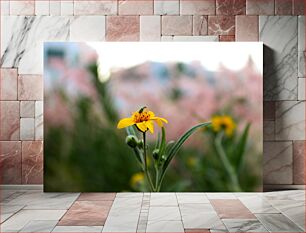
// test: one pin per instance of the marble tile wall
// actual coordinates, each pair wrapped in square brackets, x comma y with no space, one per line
[25,24]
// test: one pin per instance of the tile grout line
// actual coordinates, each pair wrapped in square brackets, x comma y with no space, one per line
[143,215]
[178,206]
[282,213]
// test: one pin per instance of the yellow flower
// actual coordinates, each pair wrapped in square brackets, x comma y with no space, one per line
[191,161]
[225,123]
[136,179]
[143,119]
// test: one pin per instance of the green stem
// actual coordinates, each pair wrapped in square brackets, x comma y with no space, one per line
[160,182]
[146,164]
[228,167]
[156,178]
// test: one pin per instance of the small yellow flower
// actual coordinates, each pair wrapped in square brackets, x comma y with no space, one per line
[191,161]
[136,179]
[225,123]
[143,119]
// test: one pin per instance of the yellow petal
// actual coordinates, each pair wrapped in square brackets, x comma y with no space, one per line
[150,126]
[151,114]
[142,126]
[125,122]
[159,121]
[163,119]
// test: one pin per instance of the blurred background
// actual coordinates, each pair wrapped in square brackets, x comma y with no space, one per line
[90,86]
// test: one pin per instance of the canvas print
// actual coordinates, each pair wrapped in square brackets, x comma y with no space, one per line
[153,116]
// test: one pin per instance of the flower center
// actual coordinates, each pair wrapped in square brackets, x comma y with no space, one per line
[223,125]
[140,117]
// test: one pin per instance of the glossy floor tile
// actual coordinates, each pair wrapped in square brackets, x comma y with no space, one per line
[27,210]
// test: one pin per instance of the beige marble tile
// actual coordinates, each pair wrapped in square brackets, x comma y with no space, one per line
[74,229]
[231,209]
[277,163]
[67,7]
[27,109]
[221,25]
[135,7]
[163,199]
[301,47]
[19,51]
[298,7]
[230,7]
[55,8]
[39,127]
[187,198]
[190,38]
[258,205]
[200,25]
[9,120]
[22,7]
[176,25]
[8,87]
[5,7]
[27,129]
[165,226]
[122,28]
[42,7]
[283,7]
[32,162]
[8,210]
[301,89]
[38,200]
[90,213]
[39,226]
[30,87]
[279,35]
[150,28]
[166,7]
[164,213]
[277,223]
[21,219]
[299,162]
[203,7]
[95,7]
[97,197]
[247,28]
[87,28]
[239,225]
[220,195]
[206,216]
[260,7]
[10,162]
[290,120]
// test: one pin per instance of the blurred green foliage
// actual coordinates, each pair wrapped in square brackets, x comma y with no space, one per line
[92,154]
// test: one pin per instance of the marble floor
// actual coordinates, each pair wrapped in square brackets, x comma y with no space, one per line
[28,210]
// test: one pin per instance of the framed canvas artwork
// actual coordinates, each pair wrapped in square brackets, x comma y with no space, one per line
[148,116]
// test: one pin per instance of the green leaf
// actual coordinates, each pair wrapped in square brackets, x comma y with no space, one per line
[163,142]
[138,155]
[169,145]
[157,141]
[175,148]
[162,145]
[240,147]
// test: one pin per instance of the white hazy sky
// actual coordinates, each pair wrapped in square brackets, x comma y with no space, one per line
[210,54]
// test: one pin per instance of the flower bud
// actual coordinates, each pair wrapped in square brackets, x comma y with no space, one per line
[156,154]
[140,144]
[131,140]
